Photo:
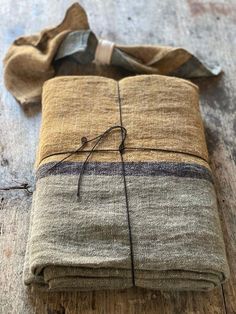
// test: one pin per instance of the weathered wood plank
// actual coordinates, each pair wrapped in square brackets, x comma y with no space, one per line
[203,26]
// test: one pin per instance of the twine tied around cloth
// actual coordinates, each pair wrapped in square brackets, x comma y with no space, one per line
[122,148]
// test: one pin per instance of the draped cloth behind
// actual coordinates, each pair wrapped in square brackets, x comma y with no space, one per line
[31,60]
[176,234]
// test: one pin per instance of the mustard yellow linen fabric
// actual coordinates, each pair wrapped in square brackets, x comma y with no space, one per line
[157,123]
[30,61]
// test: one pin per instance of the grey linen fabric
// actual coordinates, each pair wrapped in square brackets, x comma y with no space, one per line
[177,240]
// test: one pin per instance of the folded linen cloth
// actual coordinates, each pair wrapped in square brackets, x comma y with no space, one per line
[124,193]
[159,228]
[71,48]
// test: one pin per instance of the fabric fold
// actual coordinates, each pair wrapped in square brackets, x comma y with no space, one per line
[32,60]
[84,244]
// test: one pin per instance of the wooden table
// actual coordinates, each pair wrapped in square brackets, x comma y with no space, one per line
[205,27]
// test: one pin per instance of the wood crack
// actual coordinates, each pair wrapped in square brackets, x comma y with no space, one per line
[224,301]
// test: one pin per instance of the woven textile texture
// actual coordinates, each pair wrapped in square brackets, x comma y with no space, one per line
[175,229]
[30,60]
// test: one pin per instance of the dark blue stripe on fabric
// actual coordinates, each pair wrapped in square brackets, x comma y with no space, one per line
[131,169]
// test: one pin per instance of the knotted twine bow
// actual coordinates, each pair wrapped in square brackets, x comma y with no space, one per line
[84,142]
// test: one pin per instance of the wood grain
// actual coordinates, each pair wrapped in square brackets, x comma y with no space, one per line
[205,27]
